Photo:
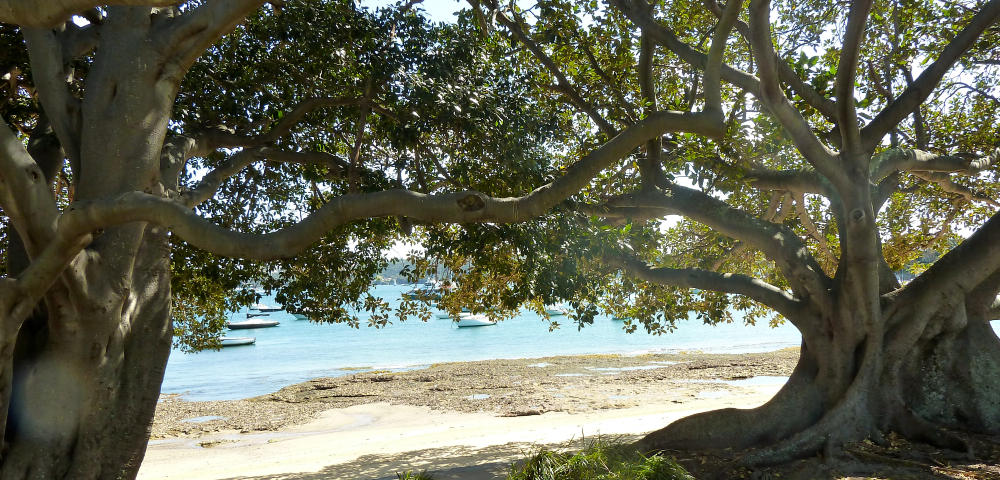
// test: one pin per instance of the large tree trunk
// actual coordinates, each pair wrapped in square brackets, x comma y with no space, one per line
[83,400]
[88,367]
[949,377]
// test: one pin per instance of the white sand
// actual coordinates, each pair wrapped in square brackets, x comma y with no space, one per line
[376,441]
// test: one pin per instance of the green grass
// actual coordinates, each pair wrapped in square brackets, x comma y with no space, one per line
[599,460]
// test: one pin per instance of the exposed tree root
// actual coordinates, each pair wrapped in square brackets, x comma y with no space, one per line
[796,406]
[912,427]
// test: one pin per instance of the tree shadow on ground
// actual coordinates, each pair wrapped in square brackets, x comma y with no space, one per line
[445,463]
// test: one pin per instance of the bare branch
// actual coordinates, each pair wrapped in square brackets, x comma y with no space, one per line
[812,230]
[563,85]
[804,180]
[944,181]
[918,91]
[771,94]
[54,13]
[308,105]
[763,292]
[214,180]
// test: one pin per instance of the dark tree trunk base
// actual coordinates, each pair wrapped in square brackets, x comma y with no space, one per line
[950,380]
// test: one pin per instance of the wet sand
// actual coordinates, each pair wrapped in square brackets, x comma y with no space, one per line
[462,420]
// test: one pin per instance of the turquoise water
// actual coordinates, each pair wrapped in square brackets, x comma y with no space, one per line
[299,350]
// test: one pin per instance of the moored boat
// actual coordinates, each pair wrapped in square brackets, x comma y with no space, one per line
[555,310]
[300,316]
[475,321]
[236,341]
[255,323]
[260,307]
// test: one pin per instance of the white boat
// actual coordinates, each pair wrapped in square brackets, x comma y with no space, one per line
[475,321]
[555,310]
[300,316]
[236,341]
[448,315]
[255,323]
[260,307]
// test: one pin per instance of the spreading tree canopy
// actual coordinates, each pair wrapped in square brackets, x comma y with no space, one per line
[783,159]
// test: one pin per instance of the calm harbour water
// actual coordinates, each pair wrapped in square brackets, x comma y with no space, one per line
[298,350]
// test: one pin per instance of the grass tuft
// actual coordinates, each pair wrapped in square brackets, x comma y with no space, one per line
[409,475]
[599,460]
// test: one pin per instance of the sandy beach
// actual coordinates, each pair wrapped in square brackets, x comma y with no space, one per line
[457,420]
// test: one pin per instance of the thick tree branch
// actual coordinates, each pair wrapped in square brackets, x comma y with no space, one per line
[777,242]
[640,13]
[805,180]
[786,74]
[650,168]
[53,13]
[918,91]
[757,290]
[454,207]
[716,54]
[912,160]
[50,78]
[25,195]
[847,73]
[959,271]
[821,158]
[184,38]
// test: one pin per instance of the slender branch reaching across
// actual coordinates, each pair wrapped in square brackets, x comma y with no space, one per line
[454,207]
[777,242]
[763,292]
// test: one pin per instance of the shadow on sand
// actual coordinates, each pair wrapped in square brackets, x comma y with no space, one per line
[447,463]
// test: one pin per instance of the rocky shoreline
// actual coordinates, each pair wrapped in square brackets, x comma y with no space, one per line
[518,387]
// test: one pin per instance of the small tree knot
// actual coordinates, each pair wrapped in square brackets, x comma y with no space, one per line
[472,202]
[857,214]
